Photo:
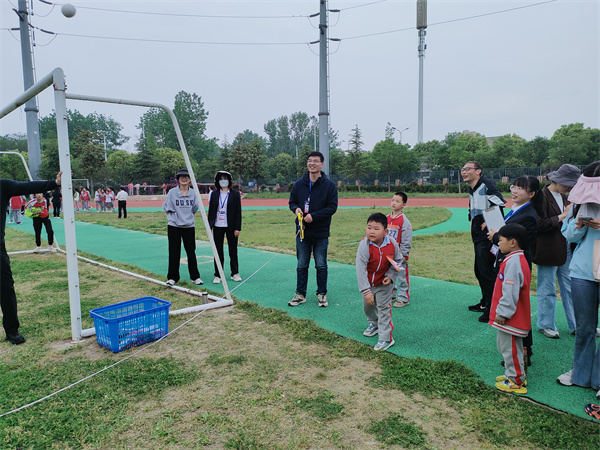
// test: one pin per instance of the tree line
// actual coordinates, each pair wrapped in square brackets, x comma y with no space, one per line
[279,154]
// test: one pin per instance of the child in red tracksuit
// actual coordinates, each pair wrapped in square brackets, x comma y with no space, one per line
[38,209]
[399,228]
[510,312]
[376,274]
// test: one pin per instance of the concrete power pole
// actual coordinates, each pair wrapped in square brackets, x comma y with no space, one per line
[421,25]
[323,86]
[31,108]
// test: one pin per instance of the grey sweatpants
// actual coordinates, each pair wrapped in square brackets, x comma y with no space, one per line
[401,285]
[511,349]
[380,314]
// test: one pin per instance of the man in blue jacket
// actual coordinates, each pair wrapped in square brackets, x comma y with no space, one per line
[314,197]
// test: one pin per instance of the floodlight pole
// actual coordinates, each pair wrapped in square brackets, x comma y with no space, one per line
[421,25]
[31,108]
[323,87]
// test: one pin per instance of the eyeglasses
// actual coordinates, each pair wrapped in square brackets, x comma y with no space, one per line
[514,188]
[313,161]
[466,169]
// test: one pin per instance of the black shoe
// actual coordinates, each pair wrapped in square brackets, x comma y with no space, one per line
[477,308]
[16,338]
[484,318]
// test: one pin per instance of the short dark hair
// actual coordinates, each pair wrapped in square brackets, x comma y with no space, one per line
[593,170]
[379,218]
[319,154]
[403,195]
[515,231]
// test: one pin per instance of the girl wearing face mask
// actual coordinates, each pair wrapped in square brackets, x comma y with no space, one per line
[225,219]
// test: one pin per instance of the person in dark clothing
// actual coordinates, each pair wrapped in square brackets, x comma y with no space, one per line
[483,193]
[56,201]
[8,298]
[314,199]
[225,219]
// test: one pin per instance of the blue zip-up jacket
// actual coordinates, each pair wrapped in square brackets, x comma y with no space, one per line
[323,203]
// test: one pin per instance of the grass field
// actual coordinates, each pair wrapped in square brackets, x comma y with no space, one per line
[248,377]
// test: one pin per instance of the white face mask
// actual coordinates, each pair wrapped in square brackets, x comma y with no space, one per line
[224,183]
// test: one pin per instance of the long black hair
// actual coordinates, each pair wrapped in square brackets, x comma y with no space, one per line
[532,184]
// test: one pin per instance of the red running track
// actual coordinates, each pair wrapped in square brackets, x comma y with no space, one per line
[449,202]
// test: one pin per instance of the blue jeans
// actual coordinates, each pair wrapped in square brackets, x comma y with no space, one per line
[318,248]
[546,294]
[586,358]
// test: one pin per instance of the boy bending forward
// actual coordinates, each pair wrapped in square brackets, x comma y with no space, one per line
[510,312]
[376,275]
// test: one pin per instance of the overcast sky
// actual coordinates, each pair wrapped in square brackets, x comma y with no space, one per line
[526,71]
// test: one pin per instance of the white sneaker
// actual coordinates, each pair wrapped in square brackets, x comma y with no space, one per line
[51,248]
[217,280]
[37,249]
[565,379]
[171,282]
[236,277]
[550,333]
[198,281]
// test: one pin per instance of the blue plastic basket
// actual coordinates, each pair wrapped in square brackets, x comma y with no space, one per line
[131,323]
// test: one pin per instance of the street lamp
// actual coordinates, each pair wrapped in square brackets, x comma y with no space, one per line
[314,125]
[104,136]
[399,131]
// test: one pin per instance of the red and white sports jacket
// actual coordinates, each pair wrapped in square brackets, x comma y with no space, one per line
[511,295]
[372,265]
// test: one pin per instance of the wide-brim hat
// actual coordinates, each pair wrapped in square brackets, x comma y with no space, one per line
[587,190]
[567,175]
[182,172]
[222,172]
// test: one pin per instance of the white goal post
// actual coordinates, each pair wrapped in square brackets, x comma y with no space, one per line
[57,79]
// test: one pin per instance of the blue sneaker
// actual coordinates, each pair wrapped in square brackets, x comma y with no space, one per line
[370,331]
[383,345]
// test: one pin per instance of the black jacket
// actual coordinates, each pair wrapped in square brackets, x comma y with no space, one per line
[234,209]
[323,203]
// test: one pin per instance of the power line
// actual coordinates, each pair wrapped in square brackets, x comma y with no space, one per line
[451,21]
[204,16]
[177,41]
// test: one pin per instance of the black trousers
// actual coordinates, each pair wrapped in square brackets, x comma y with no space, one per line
[176,235]
[485,271]
[123,208]
[8,298]
[37,227]
[56,206]
[219,234]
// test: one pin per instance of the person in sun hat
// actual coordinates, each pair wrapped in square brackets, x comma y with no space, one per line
[582,227]
[180,205]
[551,253]
[225,219]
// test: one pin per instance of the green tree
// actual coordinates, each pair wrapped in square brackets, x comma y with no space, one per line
[88,150]
[394,157]
[11,166]
[170,161]
[434,154]
[536,152]
[505,152]
[146,164]
[358,162]
[574,144]
[282,166]
[247,158]
[93,122]
[13,142]
[119,166]
[191,116]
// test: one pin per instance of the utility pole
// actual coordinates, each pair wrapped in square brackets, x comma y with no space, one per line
[421,25]
[31,109]
[323,86]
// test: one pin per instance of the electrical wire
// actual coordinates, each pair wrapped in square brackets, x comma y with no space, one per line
[364,4]
[178,42]
[204,16]
[452,20]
